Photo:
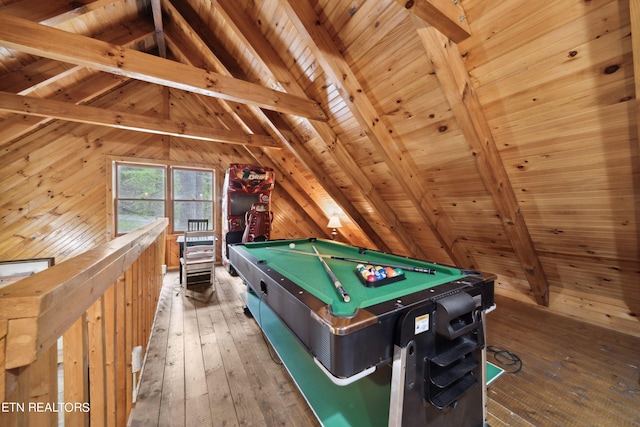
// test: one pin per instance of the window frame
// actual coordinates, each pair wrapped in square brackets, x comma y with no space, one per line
[168,166]
[173,199]
[116,190]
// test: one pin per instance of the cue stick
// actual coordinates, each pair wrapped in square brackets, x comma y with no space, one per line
[345,296]
[362,261]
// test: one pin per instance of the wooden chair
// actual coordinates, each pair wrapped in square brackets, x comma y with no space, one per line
[197,224]
[198,260]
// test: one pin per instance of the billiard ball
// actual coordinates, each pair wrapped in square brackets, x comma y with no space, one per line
[292,245]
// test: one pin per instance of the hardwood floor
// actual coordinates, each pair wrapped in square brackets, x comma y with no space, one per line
[573,374]
[209,365]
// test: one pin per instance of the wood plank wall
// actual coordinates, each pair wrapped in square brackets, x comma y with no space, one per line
[54,179]
[54,193]
[555,84]
[554,87]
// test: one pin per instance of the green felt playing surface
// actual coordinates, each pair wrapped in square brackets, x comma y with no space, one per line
[364,402]
[307,272]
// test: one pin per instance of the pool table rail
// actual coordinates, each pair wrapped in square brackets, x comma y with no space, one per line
[345,344]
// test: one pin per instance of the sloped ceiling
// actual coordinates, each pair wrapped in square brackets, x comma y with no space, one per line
[492,135]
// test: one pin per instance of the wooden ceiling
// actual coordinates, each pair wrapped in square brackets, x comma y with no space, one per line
[493,135]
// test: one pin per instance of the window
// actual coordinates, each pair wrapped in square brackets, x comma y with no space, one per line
[140,196]
[146,192]
[192,196]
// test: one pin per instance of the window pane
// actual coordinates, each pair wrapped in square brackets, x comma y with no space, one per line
[135,213]
[182,211]
[192,185]
[139,182]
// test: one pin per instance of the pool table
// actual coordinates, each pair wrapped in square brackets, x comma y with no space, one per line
[428,325]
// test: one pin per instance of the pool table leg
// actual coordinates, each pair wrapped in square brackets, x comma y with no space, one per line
[484,370]
[398,371]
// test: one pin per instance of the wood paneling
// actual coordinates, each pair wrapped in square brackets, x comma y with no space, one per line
[555,85]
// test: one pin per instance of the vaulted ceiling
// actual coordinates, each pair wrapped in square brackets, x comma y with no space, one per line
[492,135]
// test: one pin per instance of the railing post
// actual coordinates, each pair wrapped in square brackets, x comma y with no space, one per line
[76,366]
[96,346]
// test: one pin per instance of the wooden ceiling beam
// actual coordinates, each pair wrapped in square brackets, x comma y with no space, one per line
[335,148]
[45,71]
[120,120]
[52,13]
[156,10]
[402,168]
[36,39]
[21,124]
[465,105]
[445,15]
[187,50]
[87,89]
[187,20]
[191,46]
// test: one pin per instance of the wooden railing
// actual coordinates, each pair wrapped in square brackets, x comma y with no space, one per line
[102,303]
